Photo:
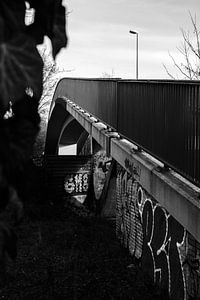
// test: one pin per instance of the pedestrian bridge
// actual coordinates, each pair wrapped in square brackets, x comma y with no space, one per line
[144,137]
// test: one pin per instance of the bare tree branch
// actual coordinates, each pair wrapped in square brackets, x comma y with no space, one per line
[50,79]
[168,73]
[196,32]
[190,52]
[187,42]
[179,67]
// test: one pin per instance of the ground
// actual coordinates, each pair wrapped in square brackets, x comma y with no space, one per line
[67,253]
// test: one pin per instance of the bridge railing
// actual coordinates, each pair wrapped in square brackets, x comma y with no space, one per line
[162,117]
[97,96]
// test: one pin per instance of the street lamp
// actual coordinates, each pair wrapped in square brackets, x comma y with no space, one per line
[136,33]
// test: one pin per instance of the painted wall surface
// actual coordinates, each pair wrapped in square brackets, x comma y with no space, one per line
[100,171]
[67,177]
[101,165]
[167,252]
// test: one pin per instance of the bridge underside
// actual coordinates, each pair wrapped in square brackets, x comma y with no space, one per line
[64,131]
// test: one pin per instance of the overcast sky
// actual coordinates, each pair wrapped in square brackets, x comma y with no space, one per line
[99,38]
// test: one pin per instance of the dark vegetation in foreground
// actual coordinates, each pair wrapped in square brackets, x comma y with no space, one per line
[67,253]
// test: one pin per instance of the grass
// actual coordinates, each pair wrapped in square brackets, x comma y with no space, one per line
[66,253]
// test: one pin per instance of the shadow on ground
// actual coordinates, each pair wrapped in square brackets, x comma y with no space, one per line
[69,254]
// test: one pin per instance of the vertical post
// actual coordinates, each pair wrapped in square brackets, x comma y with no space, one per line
[91,145]
[137,56]
[137,50]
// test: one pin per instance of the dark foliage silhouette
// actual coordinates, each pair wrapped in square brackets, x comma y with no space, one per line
[21,70]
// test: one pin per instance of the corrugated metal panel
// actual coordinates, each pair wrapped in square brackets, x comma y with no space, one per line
[96,96]
[66,176]
[163,118]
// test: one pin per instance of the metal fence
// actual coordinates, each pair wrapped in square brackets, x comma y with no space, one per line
[162,117]
[97,96]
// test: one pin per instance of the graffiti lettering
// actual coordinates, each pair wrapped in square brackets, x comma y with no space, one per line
[160,256]
[151,233]
[134,170]
[76,183]
[129,228]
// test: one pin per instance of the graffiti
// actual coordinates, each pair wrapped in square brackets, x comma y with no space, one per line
[163,236]
[191,267]
[150,233]
[134,170]
[129,228]
[101,166]
[76,183]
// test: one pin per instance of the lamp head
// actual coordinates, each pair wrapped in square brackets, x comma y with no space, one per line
[133,32]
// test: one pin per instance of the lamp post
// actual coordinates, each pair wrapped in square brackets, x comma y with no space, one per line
[136,33]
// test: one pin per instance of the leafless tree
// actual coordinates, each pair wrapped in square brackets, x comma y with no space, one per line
[189,68]
[107,75]
[51,75]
